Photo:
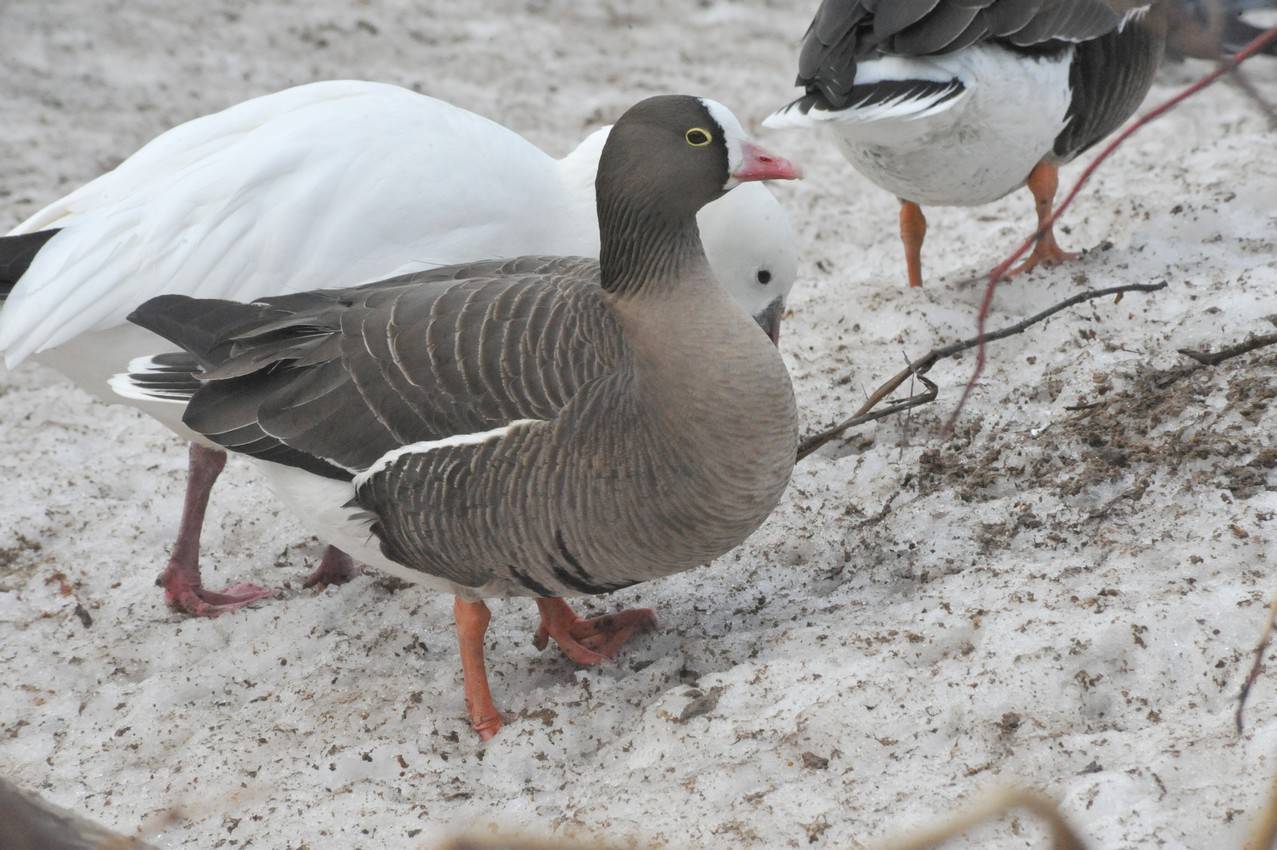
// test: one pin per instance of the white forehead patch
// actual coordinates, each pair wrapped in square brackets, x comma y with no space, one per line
[733,134]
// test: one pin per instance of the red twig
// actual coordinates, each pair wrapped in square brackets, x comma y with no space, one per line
[1000,272]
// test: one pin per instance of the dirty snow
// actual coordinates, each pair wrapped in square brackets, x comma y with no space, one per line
[1063,596]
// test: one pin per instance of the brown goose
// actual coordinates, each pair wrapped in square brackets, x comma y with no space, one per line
[544,426]
[322,185]
[958,102]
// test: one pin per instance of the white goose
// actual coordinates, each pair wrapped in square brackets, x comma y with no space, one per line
[323,185]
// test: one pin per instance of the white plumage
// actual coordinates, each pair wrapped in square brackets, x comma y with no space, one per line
[962,150]
[323,185]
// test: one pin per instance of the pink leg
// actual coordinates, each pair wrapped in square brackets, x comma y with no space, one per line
[183,589]
[335,567]
[588,641]
[472,624]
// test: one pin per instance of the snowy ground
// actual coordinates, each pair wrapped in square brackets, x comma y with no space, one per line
[1063,595]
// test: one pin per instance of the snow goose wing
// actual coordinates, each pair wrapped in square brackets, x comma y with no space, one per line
[958,102]
[538,427]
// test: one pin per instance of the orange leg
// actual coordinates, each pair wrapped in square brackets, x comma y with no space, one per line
[588,641]
[913,229]
[472,624]
[1043,182]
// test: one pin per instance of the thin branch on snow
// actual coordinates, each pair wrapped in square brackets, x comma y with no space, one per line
[1000,272]
[1207,358]
[918,368]
[1257,667]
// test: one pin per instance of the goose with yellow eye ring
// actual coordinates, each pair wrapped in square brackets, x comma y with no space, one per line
[542,426]
[324,185]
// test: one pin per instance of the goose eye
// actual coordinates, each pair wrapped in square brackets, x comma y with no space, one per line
[764,276]
[698,138]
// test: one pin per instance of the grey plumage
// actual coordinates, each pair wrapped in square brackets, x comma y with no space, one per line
[1111,73]
[958,102]
[333,380]
[1109,79]
[846,32]
[648,425]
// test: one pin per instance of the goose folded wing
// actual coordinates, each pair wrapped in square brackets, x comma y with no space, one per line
[846,33]
[332,381]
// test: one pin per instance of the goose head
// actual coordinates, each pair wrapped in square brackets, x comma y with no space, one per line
[671,156]
[748,237]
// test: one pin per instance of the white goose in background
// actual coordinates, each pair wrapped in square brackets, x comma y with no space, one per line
[323,185]
[958,102]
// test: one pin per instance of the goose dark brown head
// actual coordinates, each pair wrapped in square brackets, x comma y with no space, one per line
[665,158]
[683,152]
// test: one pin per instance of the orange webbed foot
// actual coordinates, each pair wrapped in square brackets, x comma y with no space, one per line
[589,641]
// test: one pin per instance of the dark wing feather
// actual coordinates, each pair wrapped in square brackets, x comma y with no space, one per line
[1109,79]
[330,381]
[16,254]
[1010,16]
[1067,20]
[935,33]
[844,33]
[896,16]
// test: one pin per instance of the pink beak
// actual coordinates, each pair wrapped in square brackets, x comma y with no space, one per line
[758,164]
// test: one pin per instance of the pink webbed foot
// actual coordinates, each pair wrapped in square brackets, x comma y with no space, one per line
[183,589]
[593,641]
[335,567]
[184,592]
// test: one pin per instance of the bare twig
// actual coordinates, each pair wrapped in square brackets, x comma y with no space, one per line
[1269,36]
[1257,667]
[1062,835]
[1207,358]
[923,364]
[815,441]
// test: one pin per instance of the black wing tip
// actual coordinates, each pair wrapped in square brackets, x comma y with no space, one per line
[155,308]
[16,255]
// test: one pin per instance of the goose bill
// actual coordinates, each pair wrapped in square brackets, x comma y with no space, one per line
[769,319]
[758,164]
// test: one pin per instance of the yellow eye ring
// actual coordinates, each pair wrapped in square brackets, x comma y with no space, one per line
[698,137]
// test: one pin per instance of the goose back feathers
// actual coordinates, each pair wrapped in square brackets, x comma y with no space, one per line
[954,102]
